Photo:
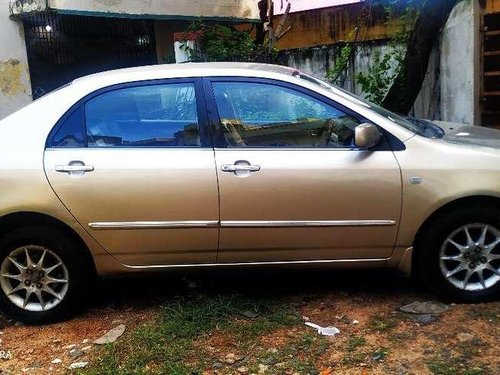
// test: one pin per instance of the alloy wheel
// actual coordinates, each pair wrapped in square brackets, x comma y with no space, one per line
[470,257]
[34,278]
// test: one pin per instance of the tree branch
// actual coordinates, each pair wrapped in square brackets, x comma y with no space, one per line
[408,83]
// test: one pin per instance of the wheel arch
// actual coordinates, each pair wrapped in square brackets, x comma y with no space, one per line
[469,201]
[16,220]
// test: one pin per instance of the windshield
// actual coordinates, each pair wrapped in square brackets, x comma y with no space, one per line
[420,127]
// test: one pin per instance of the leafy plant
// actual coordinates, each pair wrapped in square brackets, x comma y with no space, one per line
[215,42]
[386,65]
[335,74]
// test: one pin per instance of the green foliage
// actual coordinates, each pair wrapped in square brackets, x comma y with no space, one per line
[218,43]
[385,66]
[341,64]
[168,346]
[215,42]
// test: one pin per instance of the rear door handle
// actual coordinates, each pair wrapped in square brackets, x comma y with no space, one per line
[74,168]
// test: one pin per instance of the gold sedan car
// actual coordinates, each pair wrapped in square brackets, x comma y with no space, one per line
[209,165]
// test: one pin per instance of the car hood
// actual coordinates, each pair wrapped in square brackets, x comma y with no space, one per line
[470,135]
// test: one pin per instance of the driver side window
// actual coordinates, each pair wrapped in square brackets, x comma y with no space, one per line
[267,115]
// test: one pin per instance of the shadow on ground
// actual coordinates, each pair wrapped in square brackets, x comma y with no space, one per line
[302,284]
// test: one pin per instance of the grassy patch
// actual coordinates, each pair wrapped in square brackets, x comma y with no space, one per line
[354,356]
[491,313]
[380,354]
[354,342]
[297,356]
[381,323]
[353,359]
[167,346]
[453,367]
[460,362]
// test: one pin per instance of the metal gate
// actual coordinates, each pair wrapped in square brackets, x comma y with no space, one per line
[64,47]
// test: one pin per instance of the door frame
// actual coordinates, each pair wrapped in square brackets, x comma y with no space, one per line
[389,142]
[205,134]
[205,145]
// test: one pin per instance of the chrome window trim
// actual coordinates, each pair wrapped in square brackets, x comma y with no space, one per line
[239,224]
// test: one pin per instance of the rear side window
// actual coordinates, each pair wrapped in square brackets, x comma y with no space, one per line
[162,115]
[70,133]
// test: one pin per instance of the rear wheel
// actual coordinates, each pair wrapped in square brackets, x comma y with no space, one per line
[460,254]
[43,275]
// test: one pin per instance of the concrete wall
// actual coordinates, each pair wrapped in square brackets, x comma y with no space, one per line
[450,91]
[451,88]
[459,54]
[15,89]
[230,9]
[326,26]
[317,61]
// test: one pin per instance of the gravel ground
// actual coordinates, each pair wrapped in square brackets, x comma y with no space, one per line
[375,338]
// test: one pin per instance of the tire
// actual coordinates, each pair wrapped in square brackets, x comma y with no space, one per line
[58,247]
[454,272]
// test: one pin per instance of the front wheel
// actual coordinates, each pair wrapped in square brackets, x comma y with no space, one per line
[43,275]
[460,254]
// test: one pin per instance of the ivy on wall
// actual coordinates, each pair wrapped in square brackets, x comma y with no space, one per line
[384,66]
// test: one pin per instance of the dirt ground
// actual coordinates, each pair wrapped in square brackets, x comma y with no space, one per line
[375,338]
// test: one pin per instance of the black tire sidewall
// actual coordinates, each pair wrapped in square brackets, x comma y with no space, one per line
[71,255]
[430,245]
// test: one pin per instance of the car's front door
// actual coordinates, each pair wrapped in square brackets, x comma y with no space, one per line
[134,167]
[293,187]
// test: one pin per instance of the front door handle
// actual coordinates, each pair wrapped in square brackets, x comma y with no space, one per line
[239,168]
[75,168]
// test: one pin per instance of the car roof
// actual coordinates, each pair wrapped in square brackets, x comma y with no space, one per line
[187,70]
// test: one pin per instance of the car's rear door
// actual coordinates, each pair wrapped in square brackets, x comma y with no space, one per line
[134,166]
[293,187]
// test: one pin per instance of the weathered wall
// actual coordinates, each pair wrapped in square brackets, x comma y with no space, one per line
[15,89]
[451,88]
[428,103]
[335,24]
[317,61]
[458,65]
[236,9]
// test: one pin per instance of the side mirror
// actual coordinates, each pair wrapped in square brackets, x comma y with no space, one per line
[366,136]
